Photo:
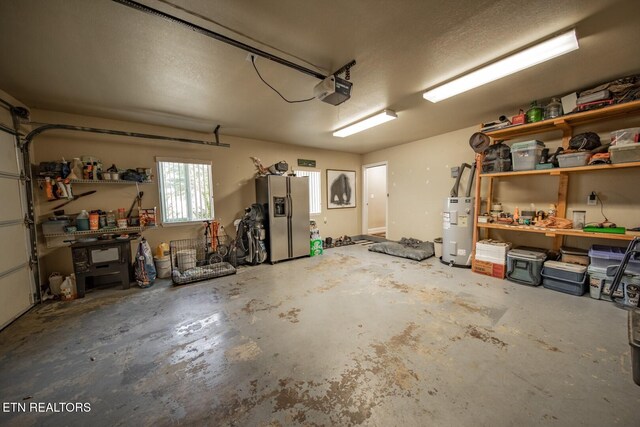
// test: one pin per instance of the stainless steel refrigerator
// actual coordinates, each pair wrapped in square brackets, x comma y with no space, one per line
[286,199]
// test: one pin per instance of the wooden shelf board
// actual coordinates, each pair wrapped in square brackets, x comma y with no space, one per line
[552,232]
[558,171]
[561,123]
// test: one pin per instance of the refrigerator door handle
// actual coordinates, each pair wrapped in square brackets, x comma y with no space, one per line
[289,207]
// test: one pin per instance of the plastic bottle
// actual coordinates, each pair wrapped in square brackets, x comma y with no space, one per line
[82,221]
[66,289]
[94,221]
[162,250]
[111,219]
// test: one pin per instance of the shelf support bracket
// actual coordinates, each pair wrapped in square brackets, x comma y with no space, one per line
[567,131]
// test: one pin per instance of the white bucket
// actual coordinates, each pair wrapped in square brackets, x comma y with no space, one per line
[186,259]
[163,267]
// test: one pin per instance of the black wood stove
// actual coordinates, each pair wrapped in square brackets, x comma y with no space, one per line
[102,258]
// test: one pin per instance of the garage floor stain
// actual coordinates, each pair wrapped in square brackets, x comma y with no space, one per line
[347,338]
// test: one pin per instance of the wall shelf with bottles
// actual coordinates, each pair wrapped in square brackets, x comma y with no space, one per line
[114,230]
[102,181]
[57,240]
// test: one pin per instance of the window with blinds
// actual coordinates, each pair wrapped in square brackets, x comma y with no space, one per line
[315,204]
[186,190]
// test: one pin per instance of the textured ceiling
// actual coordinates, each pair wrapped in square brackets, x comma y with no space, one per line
[101,58]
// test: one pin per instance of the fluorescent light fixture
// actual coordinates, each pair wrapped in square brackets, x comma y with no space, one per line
[537,54]
[372,121]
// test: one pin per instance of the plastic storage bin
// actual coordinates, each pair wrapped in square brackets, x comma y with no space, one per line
[492,251]
[625,136]
[603,256]
[572,160]
[525,266]
[624,153]
[565,277]
[526,154]
[574,255]
[54,227]
[600,284]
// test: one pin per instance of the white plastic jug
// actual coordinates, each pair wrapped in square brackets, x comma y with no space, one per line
[68,288]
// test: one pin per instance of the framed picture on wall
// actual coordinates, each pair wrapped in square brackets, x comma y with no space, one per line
[341,189]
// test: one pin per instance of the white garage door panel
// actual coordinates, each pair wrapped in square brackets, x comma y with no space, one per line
[16,278]
[14,250]
[8,162]
[14,287]
[10,205]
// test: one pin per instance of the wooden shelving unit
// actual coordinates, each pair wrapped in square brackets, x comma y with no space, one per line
[565,125]
[568,122]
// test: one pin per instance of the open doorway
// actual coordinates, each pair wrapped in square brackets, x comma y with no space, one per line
[374,212]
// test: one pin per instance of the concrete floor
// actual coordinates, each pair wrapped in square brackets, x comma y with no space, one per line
[347,338]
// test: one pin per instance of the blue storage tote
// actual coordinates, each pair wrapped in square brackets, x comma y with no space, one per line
[602,256]
[565,277]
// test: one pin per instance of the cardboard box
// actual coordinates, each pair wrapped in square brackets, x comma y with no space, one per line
[147,217]
[316,247]
[489,268]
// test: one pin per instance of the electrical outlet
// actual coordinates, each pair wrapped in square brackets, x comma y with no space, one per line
[252,57]
[592,199]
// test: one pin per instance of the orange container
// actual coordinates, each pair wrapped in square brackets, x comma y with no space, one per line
[94,221]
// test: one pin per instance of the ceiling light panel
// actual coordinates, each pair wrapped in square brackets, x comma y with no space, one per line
[370,122]
[529,57]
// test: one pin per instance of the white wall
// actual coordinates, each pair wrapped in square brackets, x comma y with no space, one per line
[419,181]
[376,197]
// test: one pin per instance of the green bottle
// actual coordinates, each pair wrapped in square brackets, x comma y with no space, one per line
[535,113]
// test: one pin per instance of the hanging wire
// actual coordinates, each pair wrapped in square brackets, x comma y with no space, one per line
[253,62]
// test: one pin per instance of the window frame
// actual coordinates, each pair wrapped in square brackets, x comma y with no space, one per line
[319,172]
[161,189]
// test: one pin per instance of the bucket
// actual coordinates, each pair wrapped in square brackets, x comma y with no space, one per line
[595,286]
[186,259]
[163,267]
[55,280]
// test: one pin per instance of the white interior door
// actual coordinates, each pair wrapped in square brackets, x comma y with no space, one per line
[375,198]
[16,280]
